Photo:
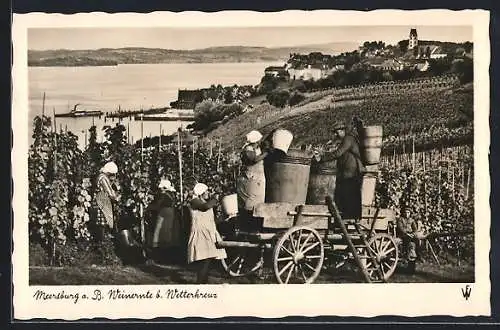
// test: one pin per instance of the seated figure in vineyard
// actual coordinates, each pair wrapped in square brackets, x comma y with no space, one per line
[251,185]
[105,198]
[349,171]
[410,232]
[202,247]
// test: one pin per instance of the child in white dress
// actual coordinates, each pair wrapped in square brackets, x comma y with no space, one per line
[204,236]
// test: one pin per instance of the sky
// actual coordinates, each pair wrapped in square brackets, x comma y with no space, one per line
[196,38]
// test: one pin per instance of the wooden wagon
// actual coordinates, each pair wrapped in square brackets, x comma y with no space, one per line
[296,239]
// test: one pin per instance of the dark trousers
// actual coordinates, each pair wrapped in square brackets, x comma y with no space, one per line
[202,269]
[348,197]
[247,222]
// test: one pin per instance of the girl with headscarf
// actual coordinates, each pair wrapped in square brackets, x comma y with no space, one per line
[204,236]
[251,185]
[166,228]
[105,196]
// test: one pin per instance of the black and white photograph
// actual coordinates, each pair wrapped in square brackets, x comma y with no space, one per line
[207,159]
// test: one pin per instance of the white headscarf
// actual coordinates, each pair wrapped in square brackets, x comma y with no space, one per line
[164,183]
[110,168]
[254,137]
[199,189]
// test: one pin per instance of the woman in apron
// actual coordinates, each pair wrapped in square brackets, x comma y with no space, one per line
[106,195]
[202,247]
[166,229]
[251,185]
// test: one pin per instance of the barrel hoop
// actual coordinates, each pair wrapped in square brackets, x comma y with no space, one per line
[324,171]
[295,160]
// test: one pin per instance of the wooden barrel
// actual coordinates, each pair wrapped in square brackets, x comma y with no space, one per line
[321,184]
[288,178]
[371,144]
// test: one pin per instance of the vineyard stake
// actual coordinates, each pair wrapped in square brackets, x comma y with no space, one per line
[468,182]
[179,154]
[453,182]
[432,251]
[142,136]
[54,128]
[159,140]
[218,155]
[43,106]
[413,154]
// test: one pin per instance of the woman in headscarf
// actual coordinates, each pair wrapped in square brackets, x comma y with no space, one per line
[251,185]
[105,196]
[166,228]
[202,247]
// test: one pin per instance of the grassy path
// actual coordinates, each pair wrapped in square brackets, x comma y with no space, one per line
[181,274]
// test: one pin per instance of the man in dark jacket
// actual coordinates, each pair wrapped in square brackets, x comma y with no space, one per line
[349,172]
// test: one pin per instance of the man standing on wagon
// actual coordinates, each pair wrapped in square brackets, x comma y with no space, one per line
[349,172]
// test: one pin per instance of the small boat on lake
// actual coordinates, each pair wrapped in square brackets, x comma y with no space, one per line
[169,115]
[80,113]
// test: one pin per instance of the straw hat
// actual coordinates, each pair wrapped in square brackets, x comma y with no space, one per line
[199,189]
[254,137]
[110,168]
[166,184]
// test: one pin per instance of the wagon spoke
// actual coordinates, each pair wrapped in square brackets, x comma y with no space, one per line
[297,246]
[292,243]
[285,268]
[234,261]
[306,241]
[313,257]
[288,251]
[290,273]
[379,245]
[388,266]
[284,258]
[311,247]
[386,245]
[242,260]
[390,250]
[309,266]
[303,273]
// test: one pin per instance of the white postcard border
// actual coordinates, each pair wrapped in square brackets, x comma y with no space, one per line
[268,301]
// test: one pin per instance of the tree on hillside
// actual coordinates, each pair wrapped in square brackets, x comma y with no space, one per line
[403,45]
[439,66]
[428,52]
[464,69]
[278,98]
[467,46]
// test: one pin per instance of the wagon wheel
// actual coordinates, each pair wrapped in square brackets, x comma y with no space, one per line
[385,249]
[241,261]
[298,256]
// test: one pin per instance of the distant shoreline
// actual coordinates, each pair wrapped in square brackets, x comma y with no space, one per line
[136,55]
[37,65]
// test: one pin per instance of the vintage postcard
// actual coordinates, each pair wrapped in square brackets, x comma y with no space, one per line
[296,163]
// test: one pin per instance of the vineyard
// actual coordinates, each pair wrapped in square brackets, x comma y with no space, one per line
[420,117]
[436,184]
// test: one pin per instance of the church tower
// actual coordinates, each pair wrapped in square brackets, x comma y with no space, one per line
[413,41]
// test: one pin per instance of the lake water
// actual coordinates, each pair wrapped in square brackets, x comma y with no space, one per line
[131,86]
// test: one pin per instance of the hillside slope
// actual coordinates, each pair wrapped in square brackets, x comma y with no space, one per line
[432,114]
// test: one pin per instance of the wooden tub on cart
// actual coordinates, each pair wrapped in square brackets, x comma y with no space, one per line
[296,239]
